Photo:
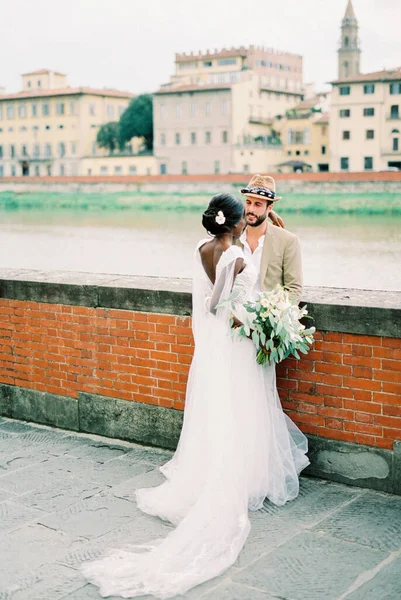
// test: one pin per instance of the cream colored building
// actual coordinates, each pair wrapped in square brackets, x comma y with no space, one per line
[365,115]
[216,113]
[304,131]
[48,128]
[365,122]
[119,165]
[277,70]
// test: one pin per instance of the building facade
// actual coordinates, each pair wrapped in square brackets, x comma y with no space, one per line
[304,131]
[216,113]
[365,115]
[277,70]
[49,127]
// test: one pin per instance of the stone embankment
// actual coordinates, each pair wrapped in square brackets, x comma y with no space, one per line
[300,183]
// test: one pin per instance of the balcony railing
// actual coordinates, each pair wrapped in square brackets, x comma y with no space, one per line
[33,158]
[393,117]
[259,144]
[260,121]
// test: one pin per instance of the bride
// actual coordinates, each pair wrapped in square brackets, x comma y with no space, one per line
[237,447]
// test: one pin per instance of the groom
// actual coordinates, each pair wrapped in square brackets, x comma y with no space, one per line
[274,251]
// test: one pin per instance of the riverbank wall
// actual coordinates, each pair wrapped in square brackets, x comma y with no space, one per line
[299,183]
[110,355]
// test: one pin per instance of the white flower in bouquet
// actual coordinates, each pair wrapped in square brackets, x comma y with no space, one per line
[273,324]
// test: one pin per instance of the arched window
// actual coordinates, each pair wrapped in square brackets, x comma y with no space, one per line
[394,131]
[346,41]
[346,69]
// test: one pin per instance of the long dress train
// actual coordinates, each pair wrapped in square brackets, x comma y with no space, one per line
[237,447]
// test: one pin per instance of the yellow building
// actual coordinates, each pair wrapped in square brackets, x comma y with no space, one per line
[216,113]
[48,128]
[304,131]
[365,115]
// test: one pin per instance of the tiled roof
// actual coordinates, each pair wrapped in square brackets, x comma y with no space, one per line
[43,72]
[210,87]
[67,91]
[307,104]
[384,75]
[323,119]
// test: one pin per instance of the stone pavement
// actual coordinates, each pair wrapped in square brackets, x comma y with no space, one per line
[67,497]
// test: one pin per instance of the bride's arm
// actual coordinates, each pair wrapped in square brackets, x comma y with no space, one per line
[224,279]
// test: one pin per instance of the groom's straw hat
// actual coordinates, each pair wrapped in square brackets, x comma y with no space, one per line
[261,186]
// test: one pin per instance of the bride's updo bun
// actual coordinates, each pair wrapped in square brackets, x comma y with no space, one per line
[224,211]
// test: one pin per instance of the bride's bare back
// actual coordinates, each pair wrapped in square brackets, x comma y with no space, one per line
[210,254]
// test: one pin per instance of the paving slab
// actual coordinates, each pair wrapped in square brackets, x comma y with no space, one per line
[235,591]
[89,592]
[97,451]
[52,496]
[372,520]
[29,547]
[92,517]
[50,582]
[6,495]
[386,585]
[311,566]
[13,515]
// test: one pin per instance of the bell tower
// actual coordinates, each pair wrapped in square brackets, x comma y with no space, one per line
[349,52]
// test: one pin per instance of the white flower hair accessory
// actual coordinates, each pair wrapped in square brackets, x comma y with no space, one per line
[220,218]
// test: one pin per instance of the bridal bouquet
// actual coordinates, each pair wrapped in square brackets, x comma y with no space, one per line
[274,326]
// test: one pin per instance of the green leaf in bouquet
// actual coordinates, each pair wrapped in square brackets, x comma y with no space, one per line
[309,331]
[263,338]
[247,329]
[279,327]
[295,353]
[255,338]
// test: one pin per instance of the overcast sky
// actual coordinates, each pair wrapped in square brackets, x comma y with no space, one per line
[130,44]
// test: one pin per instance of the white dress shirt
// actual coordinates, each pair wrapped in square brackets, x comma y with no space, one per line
[255,258]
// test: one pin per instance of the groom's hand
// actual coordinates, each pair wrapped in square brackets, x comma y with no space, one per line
[276,219]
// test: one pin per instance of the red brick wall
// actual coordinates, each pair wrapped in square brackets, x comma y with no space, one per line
[347,388]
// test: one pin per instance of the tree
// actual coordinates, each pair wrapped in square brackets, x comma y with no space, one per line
[108,136]
[137,120]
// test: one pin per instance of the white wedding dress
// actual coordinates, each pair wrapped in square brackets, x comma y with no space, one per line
[237,448]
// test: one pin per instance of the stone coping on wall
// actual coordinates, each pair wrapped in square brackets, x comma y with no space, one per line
[370,312]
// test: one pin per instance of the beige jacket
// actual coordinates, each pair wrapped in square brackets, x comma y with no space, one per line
[281,261]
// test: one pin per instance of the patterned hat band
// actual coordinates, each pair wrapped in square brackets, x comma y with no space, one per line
[259,192]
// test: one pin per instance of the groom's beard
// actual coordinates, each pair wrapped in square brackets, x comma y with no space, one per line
[257,222]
